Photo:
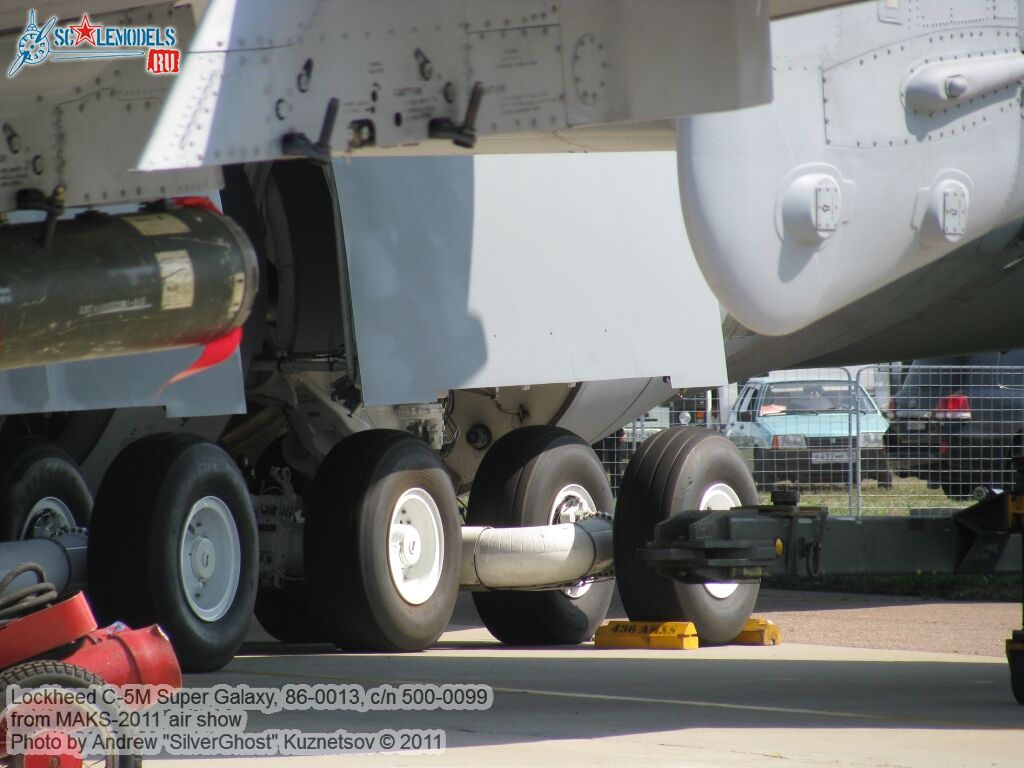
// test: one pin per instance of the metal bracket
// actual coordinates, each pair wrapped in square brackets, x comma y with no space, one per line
[35,200]
[345,391]
[745,543]
[299,145]
[461,135]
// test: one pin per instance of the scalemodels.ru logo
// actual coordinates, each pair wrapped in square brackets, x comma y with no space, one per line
[85,40]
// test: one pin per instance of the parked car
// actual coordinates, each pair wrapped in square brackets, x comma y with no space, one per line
[956,421]
[806,431]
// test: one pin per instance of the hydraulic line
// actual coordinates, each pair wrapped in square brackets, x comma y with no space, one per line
[24,600]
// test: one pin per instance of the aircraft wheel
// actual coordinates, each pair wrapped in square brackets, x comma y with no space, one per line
[174,542]
[680,468]
[541,475]
[41,491]
[285,615]
[1015,658]
[382,543]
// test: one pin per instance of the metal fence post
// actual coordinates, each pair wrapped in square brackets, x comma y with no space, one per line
[850,444]
[856,406]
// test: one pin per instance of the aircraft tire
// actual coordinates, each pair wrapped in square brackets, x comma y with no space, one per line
[41,490]
[536,476]
[174,542]
[382,543]
[680,468]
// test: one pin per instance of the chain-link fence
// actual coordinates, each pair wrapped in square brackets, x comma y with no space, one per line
[887,439]
[952,431]
[618,448]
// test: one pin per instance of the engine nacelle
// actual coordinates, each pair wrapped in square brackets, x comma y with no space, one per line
[894,137]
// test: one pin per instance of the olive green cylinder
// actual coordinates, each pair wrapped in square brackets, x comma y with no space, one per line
[110,285]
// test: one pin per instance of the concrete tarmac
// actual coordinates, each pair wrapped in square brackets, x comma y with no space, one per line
[798,704]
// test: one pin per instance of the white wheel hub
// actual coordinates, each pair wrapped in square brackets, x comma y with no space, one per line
[415,546]
[204,558]
[48,517]
[210,558]
[572,503]
[720,496]
[410,545]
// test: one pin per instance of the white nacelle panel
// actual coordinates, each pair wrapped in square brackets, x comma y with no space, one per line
[894,138]
[501,270]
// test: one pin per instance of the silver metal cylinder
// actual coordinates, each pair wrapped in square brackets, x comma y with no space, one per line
[63,560]
[537,557]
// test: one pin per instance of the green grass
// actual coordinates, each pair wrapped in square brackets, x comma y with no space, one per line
[906,494]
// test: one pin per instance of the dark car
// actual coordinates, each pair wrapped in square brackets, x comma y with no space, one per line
[956,421]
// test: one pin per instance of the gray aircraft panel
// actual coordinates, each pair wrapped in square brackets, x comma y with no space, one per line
[514,270]
[122,382]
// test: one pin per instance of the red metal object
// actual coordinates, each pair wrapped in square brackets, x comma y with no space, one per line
[122,656]
[45,630]
[118,655]
[197,201]
[64,755]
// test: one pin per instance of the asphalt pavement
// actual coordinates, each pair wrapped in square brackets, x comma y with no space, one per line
[798,704]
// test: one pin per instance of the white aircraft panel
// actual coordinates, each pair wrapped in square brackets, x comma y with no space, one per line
[82,125]
[258,70]
[503,270]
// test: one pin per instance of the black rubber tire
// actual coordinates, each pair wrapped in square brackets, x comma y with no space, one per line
[134,562]
[515,486]
[35,674]
[669,473]
[31,469]
[348,581]
[1015,660]
[285,614]
[118,531]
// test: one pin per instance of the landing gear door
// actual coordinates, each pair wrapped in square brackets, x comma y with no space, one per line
[502,270]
